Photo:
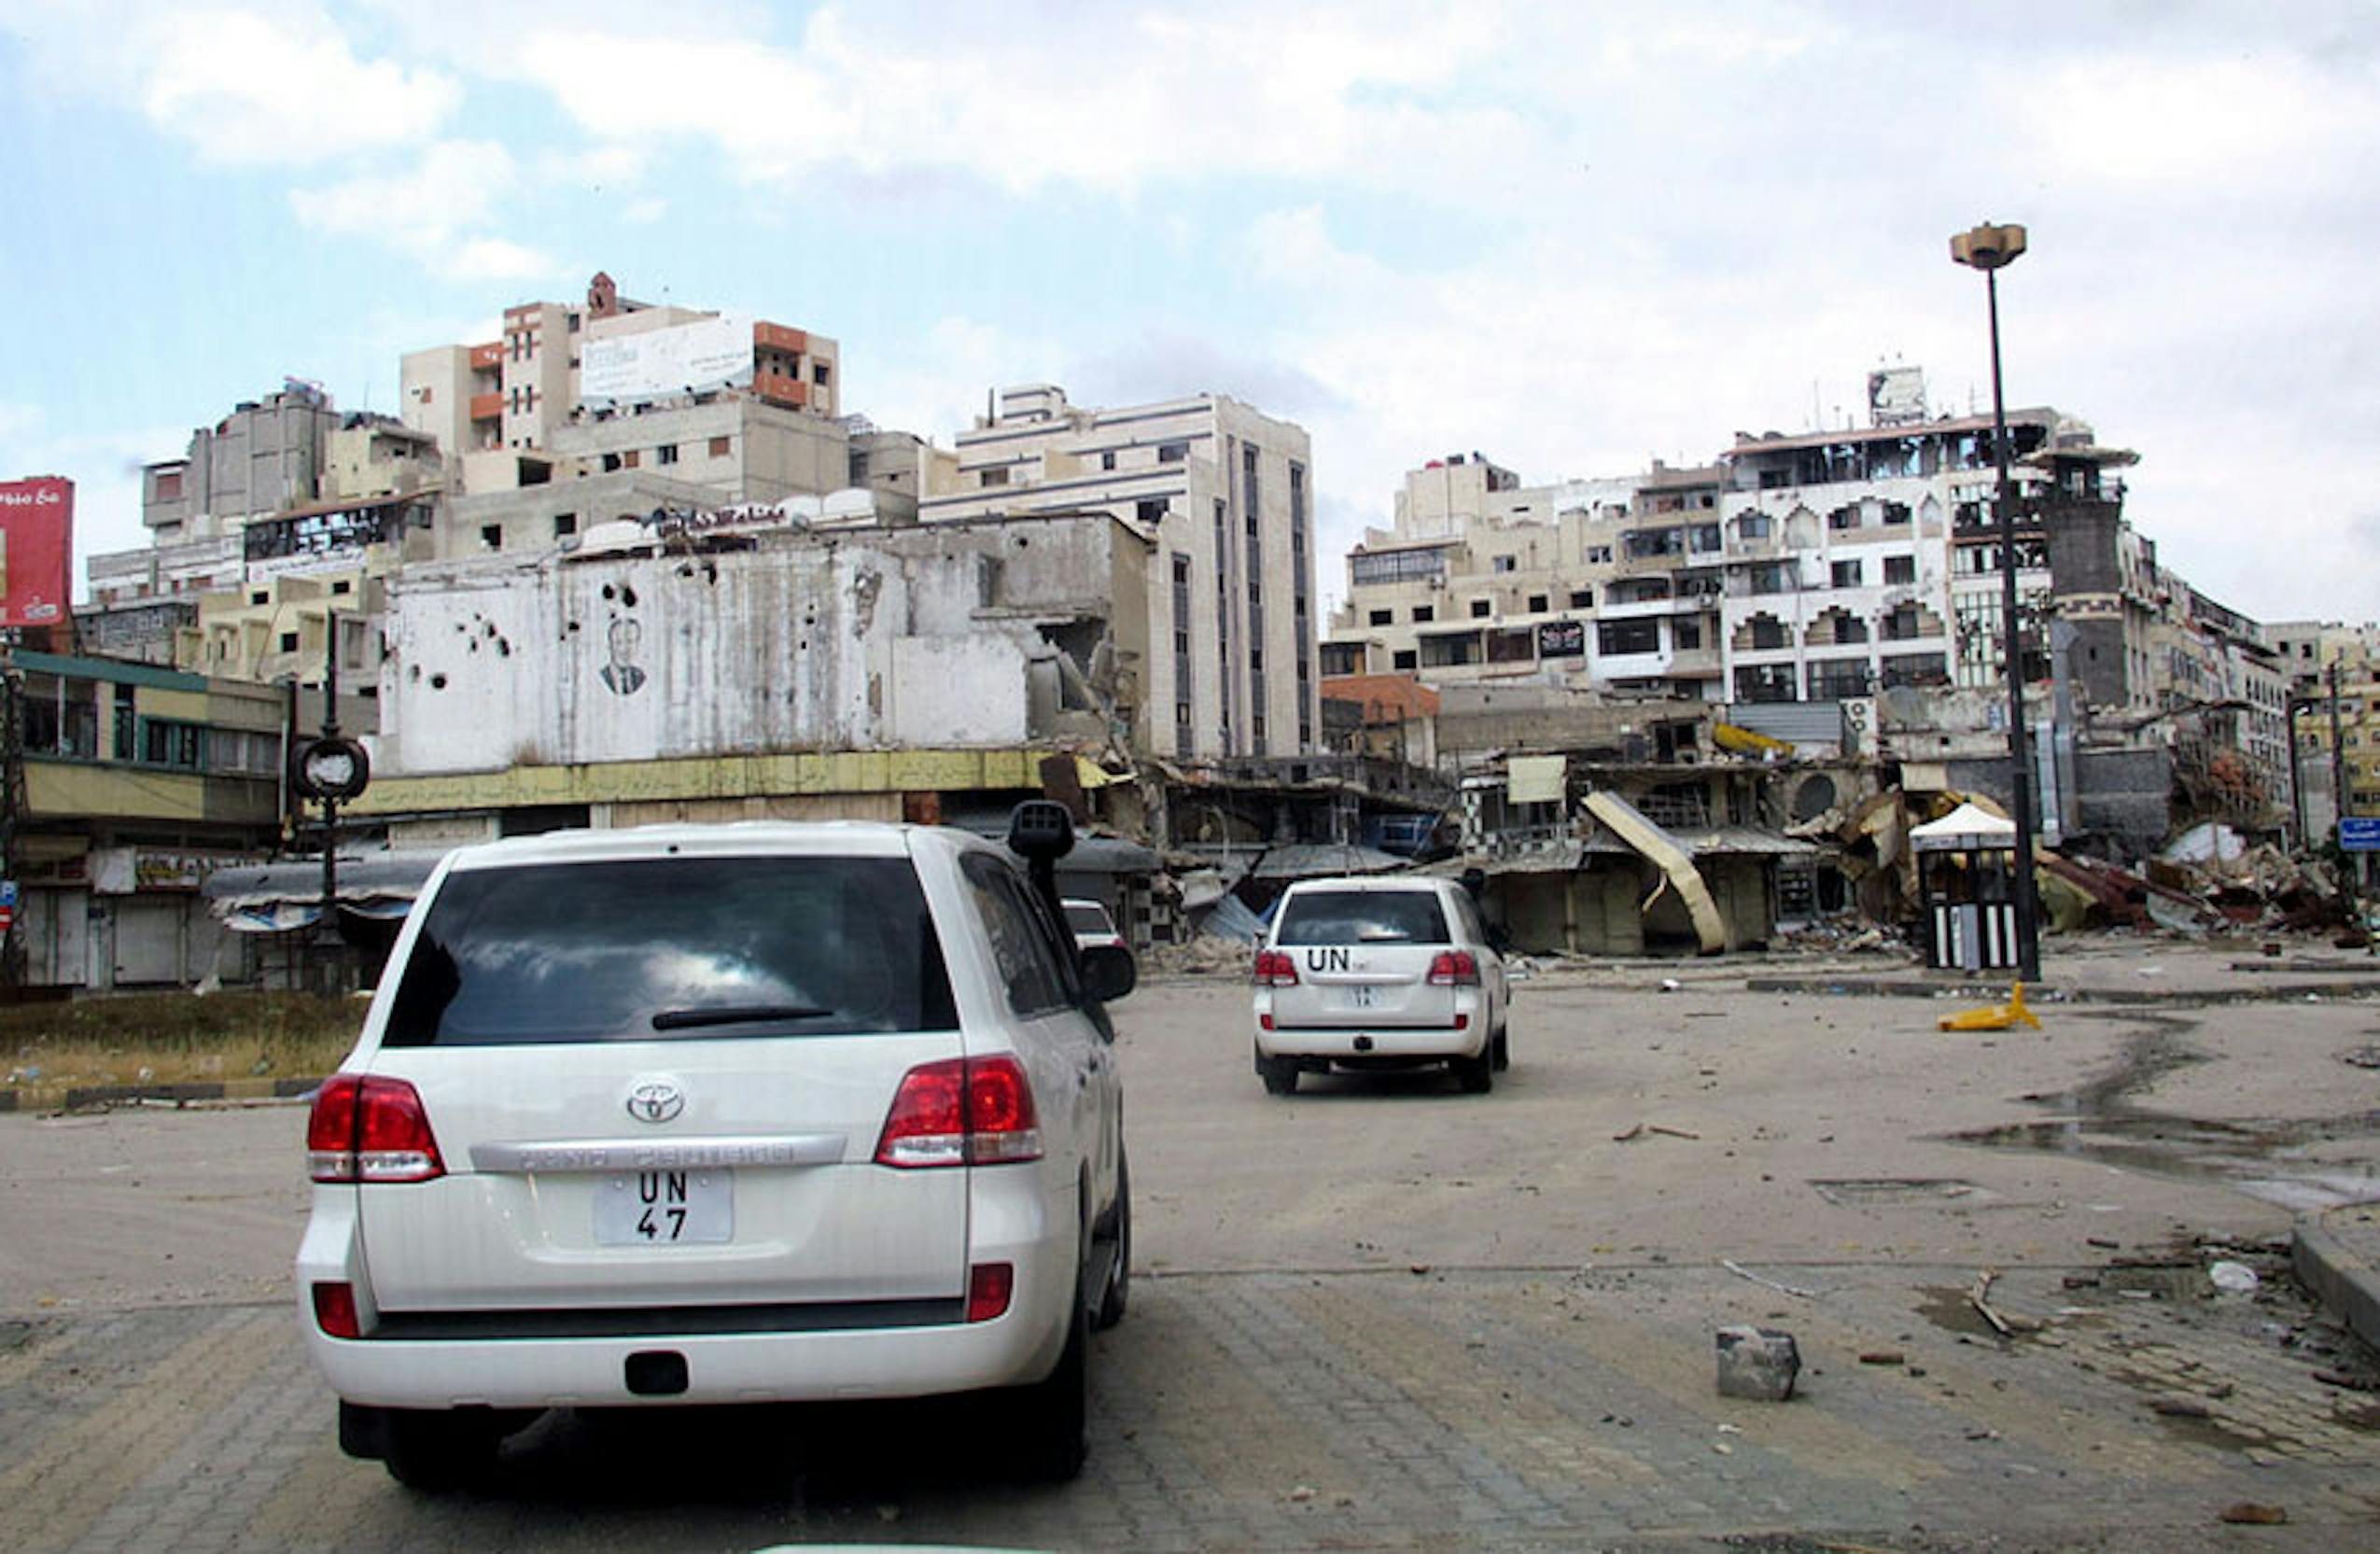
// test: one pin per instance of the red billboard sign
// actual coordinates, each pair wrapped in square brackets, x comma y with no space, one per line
[36,551]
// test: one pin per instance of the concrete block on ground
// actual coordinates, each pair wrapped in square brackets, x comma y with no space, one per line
[1757,1363]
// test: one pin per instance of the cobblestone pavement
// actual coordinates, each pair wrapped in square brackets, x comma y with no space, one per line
[1484,1408]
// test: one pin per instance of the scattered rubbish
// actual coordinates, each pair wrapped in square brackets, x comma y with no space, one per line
[1640,1130]
[1742,1272]
[1671,985]
[1757,1363]
[2342,1379]
[1883,1357]
[2248,1513]
[2233,1278]
[1301,1494]
[1997,1017]
[1975,1298]
[2108,1242]
[2179,1407]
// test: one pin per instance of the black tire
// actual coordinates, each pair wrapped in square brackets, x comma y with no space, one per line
[1280,1074]
[1477,1076]
[1118,1293]
[1503,1048]
[1052,1414]
[433,1450]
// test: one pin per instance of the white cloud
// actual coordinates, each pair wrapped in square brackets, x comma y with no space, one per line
[240,86]
[431,211]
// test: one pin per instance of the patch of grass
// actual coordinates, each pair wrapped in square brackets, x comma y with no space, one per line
[175,1038]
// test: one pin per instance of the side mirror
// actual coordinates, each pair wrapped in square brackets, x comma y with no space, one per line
[1109,972]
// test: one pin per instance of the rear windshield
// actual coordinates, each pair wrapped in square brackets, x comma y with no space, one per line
[1362,918]
[1088,919]
[672,948]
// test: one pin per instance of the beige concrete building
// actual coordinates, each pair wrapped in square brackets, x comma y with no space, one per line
[528,408]
[1226,495]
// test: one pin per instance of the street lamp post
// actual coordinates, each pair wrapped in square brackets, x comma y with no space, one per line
[1987,249]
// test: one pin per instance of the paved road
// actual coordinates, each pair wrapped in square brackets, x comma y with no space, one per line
[1387,1315]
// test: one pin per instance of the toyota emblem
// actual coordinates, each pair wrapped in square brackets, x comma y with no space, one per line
[655,1101]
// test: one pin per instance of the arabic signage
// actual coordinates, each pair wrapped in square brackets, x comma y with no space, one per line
[1562,639]
[660,364]
[36,550]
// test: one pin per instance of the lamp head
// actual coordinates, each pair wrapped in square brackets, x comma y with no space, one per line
[1988,246]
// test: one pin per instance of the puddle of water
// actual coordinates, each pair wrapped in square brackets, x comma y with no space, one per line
[2099,1122]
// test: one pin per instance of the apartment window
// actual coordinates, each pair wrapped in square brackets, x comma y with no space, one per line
[1902,624]
[1764,683]
[289,641]
[1895,513]
[342,586]
[1480,609]
[1837,680]
[1150,512]
[610,463]
[719,446]
[631,458]
[1382,617]
[1425,612]
[490,537]
[1850,628]
[1771,577]
[1504,563]
[1900,568]
[666,454]
[1846,574]
[993,477]
[1768,631]
[564,524]
[1394,566]
[820,373]
[166,742]
[1755,525]
[1843,518]
[1582,598]
[1107,460]
[1685,634]
[1537,602]
[1599,556]
[1703,538]
[1613,638]
[260,595]
[1172,453]
[1406,659]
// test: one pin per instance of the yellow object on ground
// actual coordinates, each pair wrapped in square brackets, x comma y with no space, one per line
[1995,1016]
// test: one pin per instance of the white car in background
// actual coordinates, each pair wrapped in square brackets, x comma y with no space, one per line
[1091,926]
[694,1114]
[1380,973]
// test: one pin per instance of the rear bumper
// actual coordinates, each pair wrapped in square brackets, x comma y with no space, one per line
[774,1367]
[1374,1042]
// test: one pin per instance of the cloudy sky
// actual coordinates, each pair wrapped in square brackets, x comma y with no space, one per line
[1575,237]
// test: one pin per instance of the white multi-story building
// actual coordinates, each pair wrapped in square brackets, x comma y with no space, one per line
[1225,493]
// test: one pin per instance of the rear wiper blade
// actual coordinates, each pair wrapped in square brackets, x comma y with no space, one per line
[734,1014]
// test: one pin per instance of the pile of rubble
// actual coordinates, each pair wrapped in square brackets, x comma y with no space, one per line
[2208,882]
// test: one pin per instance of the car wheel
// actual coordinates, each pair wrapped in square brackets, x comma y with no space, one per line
[1503,1048]
[1477,1075]
[1119,1277]
[437,1449]
[1280,1074]
[1050,1444]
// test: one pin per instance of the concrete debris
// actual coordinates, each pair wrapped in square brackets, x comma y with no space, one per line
[1759,1364]
[2233,1278]
[2248,1513]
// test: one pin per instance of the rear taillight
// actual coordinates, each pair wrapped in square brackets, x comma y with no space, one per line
[1275,969]
[368,1127]
[990,1285]
[961,1111]
[334,1310]
[1454,969]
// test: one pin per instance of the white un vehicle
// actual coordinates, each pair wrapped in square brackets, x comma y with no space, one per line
[1379,973]
[720,1114]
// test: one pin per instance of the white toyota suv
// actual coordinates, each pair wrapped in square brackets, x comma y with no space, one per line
[1380,974]
[718,1114]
